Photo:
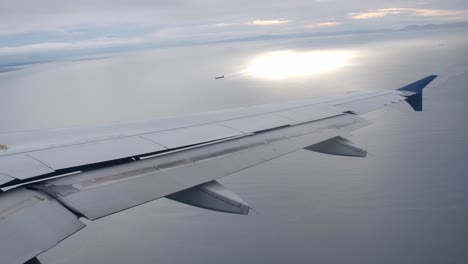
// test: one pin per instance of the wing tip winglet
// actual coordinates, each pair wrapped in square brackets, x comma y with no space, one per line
[418,86]
[415,97]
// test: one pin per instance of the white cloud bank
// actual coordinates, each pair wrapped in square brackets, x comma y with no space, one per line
[383,12]
[269,22]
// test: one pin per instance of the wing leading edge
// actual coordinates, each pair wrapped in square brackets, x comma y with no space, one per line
[191,154]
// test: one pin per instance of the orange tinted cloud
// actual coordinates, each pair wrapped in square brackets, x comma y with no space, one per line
[377,13]
[269,22]
[324,24]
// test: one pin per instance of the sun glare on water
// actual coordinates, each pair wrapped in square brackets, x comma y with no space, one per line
[287,64]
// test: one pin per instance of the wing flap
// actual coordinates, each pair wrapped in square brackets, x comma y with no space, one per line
[31,223]
[98,193]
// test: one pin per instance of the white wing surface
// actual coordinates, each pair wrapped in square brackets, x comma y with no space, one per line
[50,178]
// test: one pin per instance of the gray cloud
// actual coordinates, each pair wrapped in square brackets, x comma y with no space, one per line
[105,23]
[22,15]
[418,12]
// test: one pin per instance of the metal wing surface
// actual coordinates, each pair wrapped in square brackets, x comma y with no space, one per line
[50,178]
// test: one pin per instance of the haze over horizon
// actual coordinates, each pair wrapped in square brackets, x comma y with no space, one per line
[50,29]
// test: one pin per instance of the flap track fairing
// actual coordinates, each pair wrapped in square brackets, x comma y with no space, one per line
[338,146]
[212,196]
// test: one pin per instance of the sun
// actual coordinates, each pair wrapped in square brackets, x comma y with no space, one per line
[288,64]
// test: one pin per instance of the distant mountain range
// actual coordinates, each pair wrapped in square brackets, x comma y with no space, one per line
[340,33]
[434,26]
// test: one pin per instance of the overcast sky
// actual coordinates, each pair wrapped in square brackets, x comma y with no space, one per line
[39,26]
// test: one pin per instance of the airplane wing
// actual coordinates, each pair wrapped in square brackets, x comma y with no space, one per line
[51,178]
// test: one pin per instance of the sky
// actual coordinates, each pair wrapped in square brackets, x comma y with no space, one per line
[38,27]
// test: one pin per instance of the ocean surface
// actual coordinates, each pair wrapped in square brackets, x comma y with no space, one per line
[407,202]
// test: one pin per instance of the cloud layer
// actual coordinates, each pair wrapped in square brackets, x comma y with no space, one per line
[379,13]
[40,26]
